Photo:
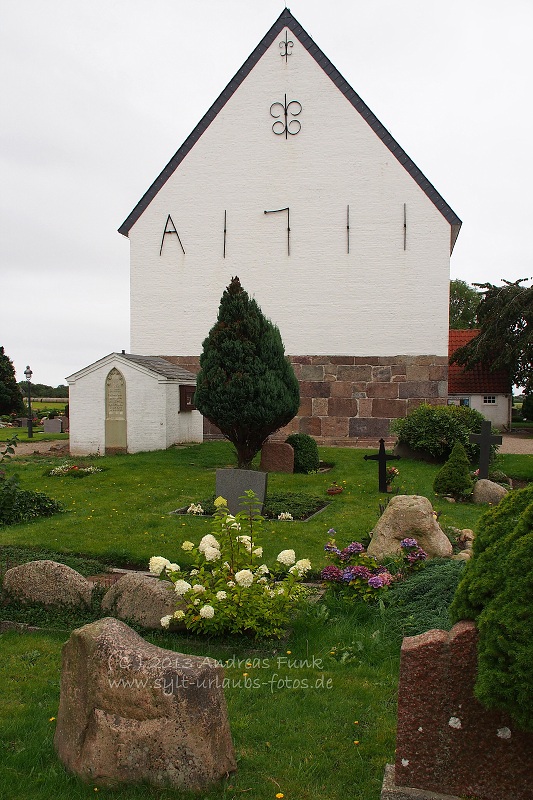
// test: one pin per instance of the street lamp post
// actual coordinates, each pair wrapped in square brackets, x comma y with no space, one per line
[28,373]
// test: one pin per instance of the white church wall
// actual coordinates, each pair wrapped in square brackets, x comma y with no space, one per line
[378,299]
[182,426]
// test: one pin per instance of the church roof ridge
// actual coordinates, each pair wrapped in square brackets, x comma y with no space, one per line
[286,19]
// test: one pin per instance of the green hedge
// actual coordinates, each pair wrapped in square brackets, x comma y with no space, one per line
[435,429]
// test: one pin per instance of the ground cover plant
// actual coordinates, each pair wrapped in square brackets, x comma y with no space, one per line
[345,733]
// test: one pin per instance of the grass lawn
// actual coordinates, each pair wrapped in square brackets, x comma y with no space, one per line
[330,740]
[22,434]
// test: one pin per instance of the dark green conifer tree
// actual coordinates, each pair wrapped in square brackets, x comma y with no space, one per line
[454,477]
[246,386]
[10,397]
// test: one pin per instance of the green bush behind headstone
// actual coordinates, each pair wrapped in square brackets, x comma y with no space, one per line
[454,478]
[435,429]
[497,592]
[306,458]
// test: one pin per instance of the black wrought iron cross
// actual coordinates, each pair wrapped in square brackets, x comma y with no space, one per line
[276,211]
[484,439]
[285,44]
[381,457]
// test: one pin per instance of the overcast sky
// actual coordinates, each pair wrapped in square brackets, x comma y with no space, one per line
[97,96]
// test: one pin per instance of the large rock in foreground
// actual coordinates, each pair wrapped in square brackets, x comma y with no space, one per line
[48,583]
[409,516]
[486,491]
[141,599]
[131,712]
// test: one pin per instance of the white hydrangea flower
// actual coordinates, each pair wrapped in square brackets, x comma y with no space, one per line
[207,612]
[212,553]
[272,593]
[301,567]
[287,557]
[221,595]
[174,567]
[195,508]
[231,584]
[181,586]
[262,570]
[187,546]
[244,578]
[196,602]
[198,588]
[262,580]
[246,541]
[194,572]
[208,541]
[157,564]
[179,614]
[285,515]
[226,564]
[281,590]
[231,522]
[165,621]
[258,552]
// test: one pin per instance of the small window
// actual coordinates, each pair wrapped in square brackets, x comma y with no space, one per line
[489,400]
[187,398]
[464,401]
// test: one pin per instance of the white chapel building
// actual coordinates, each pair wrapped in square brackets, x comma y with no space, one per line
[290,182]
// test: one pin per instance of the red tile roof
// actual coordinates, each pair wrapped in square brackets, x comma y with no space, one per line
[479,380]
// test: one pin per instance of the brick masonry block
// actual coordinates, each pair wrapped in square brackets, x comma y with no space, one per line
[320,406]
[442,389]
[311,425]
[387,391]
[416,372]
[398,378]
[341,389]
[369,427]
[312,372]
[389,408]
[348,360]
[381,374]
[365,407]
[398,369]
[335,427]
[438,373]
[314,389]
[341,407]
[418,389]
[306,407]
[355,373]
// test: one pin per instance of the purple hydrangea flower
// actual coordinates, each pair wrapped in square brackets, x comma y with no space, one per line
[408,543]
[353,572]
[332,532]
[416,555]
[353,549]
[331,548]
[331,573]
[376,581]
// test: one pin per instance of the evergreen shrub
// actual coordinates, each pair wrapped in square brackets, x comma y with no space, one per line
[435,429]
[454,477]
[527,407]
[497,592]
[20,505]
[306,458]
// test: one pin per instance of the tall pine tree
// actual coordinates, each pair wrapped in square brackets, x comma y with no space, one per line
[10,396]
[246,386]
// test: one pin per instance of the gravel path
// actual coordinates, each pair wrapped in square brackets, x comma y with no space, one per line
[512,443]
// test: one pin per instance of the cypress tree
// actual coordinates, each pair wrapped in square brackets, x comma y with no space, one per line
[10,396]
[246,386]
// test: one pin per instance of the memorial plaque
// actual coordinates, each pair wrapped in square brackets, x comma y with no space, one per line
[115,413]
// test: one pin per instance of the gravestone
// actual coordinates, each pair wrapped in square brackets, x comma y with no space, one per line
[48,583]
[231,484]
[277,457]
[54,425]
[142,599]
[484,440]
[381,457]
[447,742]
[115,413]
[131,712]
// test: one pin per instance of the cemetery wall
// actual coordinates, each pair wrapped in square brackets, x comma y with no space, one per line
[387,295]
[346,399]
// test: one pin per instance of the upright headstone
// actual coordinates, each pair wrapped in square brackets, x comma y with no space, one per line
[231,484]
[447,742]
[277,457]
[484,440]
[116,440]
[54,425]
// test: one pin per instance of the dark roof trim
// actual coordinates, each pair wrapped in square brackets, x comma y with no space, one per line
[286,19]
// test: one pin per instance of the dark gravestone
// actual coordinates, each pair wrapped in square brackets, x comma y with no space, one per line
[54,425]
[484,440]
[231,484]
[277,457]
[381,457]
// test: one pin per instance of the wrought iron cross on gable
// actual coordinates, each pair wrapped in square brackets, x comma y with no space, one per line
[484,440]
[381,457]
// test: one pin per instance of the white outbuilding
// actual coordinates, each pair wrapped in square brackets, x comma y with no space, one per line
[130,403]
